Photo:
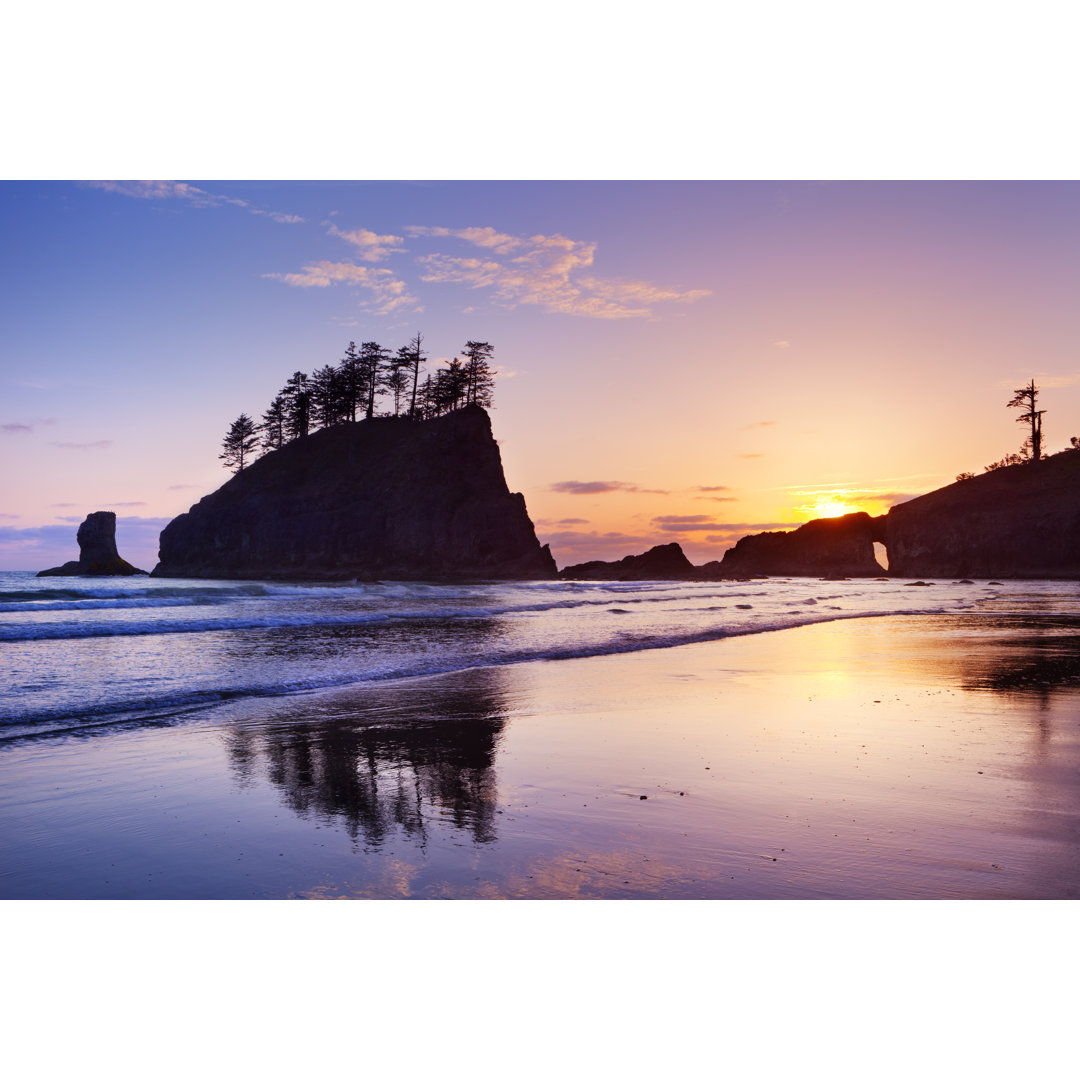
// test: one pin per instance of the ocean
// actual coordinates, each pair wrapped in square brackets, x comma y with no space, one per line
[94,655]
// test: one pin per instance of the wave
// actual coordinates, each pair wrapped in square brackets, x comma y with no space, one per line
[157,708]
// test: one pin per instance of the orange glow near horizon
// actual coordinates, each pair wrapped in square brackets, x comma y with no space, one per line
[828,504]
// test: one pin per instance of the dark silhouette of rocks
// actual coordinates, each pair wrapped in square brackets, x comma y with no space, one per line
[826,547]
[1022,521]
[382,498]
[665,562]
[98,556]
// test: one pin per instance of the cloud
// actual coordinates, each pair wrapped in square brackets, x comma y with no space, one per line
[600,487]
[679,523]
[62,506]
[712,487]
[572,521]
[176,189]
[388,292]
[181,487]
[373,248]
[715,498]
[101,444]
[9,517]
[749,456]
[781,344]
[760,424]
[111,504]
[24,427]
[284,219]
[547,271]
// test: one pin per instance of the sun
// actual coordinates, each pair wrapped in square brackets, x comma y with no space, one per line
[826,508]
[826,504]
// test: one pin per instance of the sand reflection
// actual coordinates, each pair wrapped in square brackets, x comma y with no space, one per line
[384,761]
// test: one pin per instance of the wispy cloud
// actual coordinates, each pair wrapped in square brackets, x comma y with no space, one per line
[101,444]
[24,427]
[760,424]
[373,248]
[601,487]
[181,487]
[781,344]
[177,189]
[126,504]
[681,523]
[712,487]
[715,498]
[548,271]
[388,292]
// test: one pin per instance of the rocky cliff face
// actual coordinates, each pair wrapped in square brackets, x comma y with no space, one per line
[1022,521]
[98,556]
[665,562]
[827,547]
[390,498]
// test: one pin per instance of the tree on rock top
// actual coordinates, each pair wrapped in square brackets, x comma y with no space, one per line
[240,443]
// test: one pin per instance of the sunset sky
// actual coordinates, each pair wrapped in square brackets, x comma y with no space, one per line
[677,361]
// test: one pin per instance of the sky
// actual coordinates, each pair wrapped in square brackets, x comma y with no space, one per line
[677,361]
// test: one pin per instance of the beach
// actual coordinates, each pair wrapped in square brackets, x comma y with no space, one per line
[900,757]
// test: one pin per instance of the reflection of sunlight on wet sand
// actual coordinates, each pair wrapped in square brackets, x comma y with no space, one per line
[921,757]
[822,762]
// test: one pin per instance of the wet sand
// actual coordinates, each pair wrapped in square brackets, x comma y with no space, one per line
[903,758]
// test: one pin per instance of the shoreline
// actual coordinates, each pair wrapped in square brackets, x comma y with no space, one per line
[907,756]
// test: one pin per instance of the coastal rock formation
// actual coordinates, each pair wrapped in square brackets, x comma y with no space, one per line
[665,562]
[98,556]
[826,547]
[1022,521]
[388,498]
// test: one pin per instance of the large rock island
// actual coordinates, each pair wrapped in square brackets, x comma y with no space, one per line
[98,556]
[381,498]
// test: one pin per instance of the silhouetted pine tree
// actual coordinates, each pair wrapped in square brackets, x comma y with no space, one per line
[397,380]
[273,424]
[479,378]
[297,406]
[1025,398]
[351,382]
[414,356]
[239,443]
[327,408]
[374,361]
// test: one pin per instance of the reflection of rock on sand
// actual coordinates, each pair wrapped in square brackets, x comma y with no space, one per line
[383,758]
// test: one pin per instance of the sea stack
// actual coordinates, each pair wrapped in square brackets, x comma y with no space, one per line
[665,562]
[98,556]
[825,547]
[388,497]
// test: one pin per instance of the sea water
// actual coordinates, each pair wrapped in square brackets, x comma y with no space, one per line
[90,655]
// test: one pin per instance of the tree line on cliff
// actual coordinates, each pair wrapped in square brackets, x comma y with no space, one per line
[368,381]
